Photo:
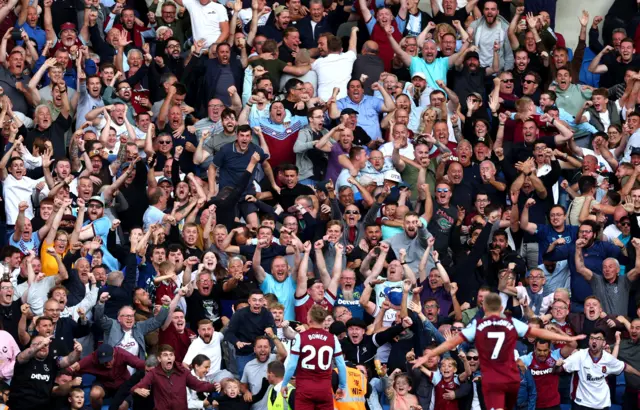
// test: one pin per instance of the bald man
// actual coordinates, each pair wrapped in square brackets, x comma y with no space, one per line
[368,64]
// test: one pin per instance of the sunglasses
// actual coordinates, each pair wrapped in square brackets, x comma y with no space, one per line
[528,82]
[474,358]
[624,223]
[456,329]
[507,80]
[351,212]
[442,189]
[164,142]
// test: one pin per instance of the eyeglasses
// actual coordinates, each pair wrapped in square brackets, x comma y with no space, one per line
[125,89]
[559,308]
[583,231]
[455,328]
[350,212]
[472,358]
[430,306]
[127,316]
[529,82]
[442,189]
[624,223]
[174,46]
[507,80]
[164,142]
[599,339]
[6,287]
[536,277]
[94,206]
[216,105]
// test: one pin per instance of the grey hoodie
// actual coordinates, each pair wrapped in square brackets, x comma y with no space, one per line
[484,37]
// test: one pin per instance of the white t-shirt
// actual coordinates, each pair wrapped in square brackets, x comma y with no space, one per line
[387,150]
[212,350]
[37,293]
[129,344]
[334,70]
[601,161]
[205,20]
[604,116]
[15,191]
[593,391]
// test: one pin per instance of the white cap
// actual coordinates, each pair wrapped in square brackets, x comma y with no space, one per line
[393,176]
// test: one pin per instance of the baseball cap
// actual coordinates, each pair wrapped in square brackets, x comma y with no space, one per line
[67,26]
[472,54]
[393,176]
[483,140]
[419,74]
[94,153]
[357,323]
[165,179]
[394,295]
[105,353]
[635,151]
[477,95]
[348,111]
[280,9]
[96,199]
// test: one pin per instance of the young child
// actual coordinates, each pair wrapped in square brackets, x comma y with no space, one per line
[447,380]
[233,400]
[195,400]
[76,399]
[166,281]
[398,392]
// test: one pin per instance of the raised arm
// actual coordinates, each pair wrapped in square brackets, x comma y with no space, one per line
[580,266]
[404,56]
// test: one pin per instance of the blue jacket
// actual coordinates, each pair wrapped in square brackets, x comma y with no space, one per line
[593,258]
[527,394]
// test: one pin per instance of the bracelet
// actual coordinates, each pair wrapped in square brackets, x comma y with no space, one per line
[436,262]
[501,124]
[553,120]
[403,263]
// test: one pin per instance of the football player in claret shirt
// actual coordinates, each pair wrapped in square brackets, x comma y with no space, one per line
[495,337]
[311,361]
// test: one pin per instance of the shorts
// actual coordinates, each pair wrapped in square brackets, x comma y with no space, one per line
[314,398]
[500,395]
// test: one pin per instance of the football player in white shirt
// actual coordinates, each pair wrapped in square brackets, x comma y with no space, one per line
[593,365]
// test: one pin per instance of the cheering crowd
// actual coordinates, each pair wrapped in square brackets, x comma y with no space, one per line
[321,204]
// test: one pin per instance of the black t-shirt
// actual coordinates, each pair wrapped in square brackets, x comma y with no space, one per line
[460,15]
[521,151]
[32,383]
[440,226]
[463,194]
[204,307]
[288,196]
[360,137]
[10,317]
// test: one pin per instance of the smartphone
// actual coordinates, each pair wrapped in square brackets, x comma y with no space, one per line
[294,324]
[16,34]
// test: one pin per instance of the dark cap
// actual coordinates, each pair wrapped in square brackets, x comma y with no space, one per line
[337,328]
[311,282]
[635,151]
[348,111]
[471,54]
[357,323]
[165,179]
[483,140]
[105,353]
